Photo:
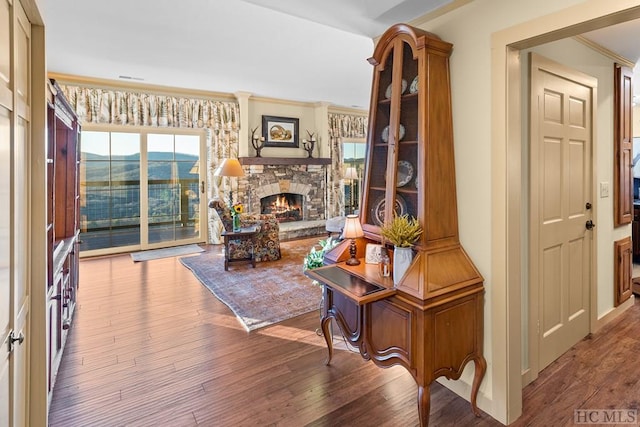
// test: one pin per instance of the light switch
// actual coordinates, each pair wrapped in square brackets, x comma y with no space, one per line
[604,190]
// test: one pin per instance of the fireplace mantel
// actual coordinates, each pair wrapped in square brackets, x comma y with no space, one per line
[283,161]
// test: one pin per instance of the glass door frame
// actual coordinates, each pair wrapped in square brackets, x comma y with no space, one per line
[202,236]
[358,148]
[144,186]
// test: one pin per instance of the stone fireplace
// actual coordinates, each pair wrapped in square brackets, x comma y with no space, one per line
[292,189]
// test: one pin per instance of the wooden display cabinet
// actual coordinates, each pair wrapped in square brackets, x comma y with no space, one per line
[63,204]
[431,322]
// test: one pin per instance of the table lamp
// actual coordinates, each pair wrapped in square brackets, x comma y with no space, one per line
[229,168]
[351,173]
[352,230]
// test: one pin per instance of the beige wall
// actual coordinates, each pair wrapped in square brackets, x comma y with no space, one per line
[486,188]
[469,28]
[305,112]
[313,117]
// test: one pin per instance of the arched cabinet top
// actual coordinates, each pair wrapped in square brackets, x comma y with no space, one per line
[416,38]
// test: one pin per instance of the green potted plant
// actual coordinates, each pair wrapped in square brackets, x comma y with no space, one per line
[315,257]
[402,231]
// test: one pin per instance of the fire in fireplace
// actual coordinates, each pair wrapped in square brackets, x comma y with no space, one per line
[285,206]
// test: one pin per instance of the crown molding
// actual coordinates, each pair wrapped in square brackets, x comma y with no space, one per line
[334,109]
[455,4]
[604,51]
[92,82]
[141,87]
[429,16]
[283,101]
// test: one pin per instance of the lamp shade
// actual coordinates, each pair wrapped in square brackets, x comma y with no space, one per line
[229,167]
[351,173]
[352,228]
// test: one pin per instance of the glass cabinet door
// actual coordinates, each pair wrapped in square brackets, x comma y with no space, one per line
[407,162]
[393,158]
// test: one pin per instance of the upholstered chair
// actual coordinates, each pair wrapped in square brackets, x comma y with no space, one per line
[267,241]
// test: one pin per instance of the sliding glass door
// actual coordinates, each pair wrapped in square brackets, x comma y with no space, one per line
[173,187]
[141,190]
[109,190]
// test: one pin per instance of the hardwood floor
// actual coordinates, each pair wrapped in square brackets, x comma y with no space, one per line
[151,346]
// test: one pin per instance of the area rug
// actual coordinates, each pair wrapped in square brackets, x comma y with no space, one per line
[165,252]
[270,293]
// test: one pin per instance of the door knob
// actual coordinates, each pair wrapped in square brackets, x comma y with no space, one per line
[589,225]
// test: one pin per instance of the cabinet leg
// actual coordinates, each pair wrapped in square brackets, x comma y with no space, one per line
[481,368]
[424,405]
[325,323]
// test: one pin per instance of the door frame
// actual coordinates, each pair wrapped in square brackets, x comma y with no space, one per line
[144,185]
[506,200]
[534,297]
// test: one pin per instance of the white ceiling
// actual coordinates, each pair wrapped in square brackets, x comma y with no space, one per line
[228,45]
[621,39]
[289,49]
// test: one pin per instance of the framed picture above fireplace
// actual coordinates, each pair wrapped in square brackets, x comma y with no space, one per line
[280,131]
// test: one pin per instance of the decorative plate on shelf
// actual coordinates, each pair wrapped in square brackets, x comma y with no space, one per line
[385,133]
[377,210]
[404,173]
[387,93]
[414,85]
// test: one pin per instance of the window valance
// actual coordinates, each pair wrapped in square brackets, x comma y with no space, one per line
[121,107]
[347,126]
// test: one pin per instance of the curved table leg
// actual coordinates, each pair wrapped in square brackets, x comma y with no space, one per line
[325,323]
[481,368]
[424,405]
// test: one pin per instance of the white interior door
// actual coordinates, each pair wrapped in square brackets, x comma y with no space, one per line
[561,206]
[6,322]
[6,103]
[15,71]
[20,215]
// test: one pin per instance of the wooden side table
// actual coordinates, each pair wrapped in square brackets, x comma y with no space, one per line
[246,233]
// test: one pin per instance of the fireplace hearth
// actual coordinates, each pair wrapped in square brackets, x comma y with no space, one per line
[285,206]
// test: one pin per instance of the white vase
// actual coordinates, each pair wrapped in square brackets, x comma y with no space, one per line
[402,258]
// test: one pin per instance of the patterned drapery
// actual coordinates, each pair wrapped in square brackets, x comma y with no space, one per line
[221,120]
[341,126]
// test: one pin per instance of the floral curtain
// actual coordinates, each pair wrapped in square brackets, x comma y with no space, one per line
[120,107]
[341,126]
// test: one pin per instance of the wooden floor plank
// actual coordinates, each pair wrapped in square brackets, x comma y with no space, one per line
[150,346]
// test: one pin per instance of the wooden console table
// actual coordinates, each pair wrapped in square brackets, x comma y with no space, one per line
[247,233]
[429,338]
